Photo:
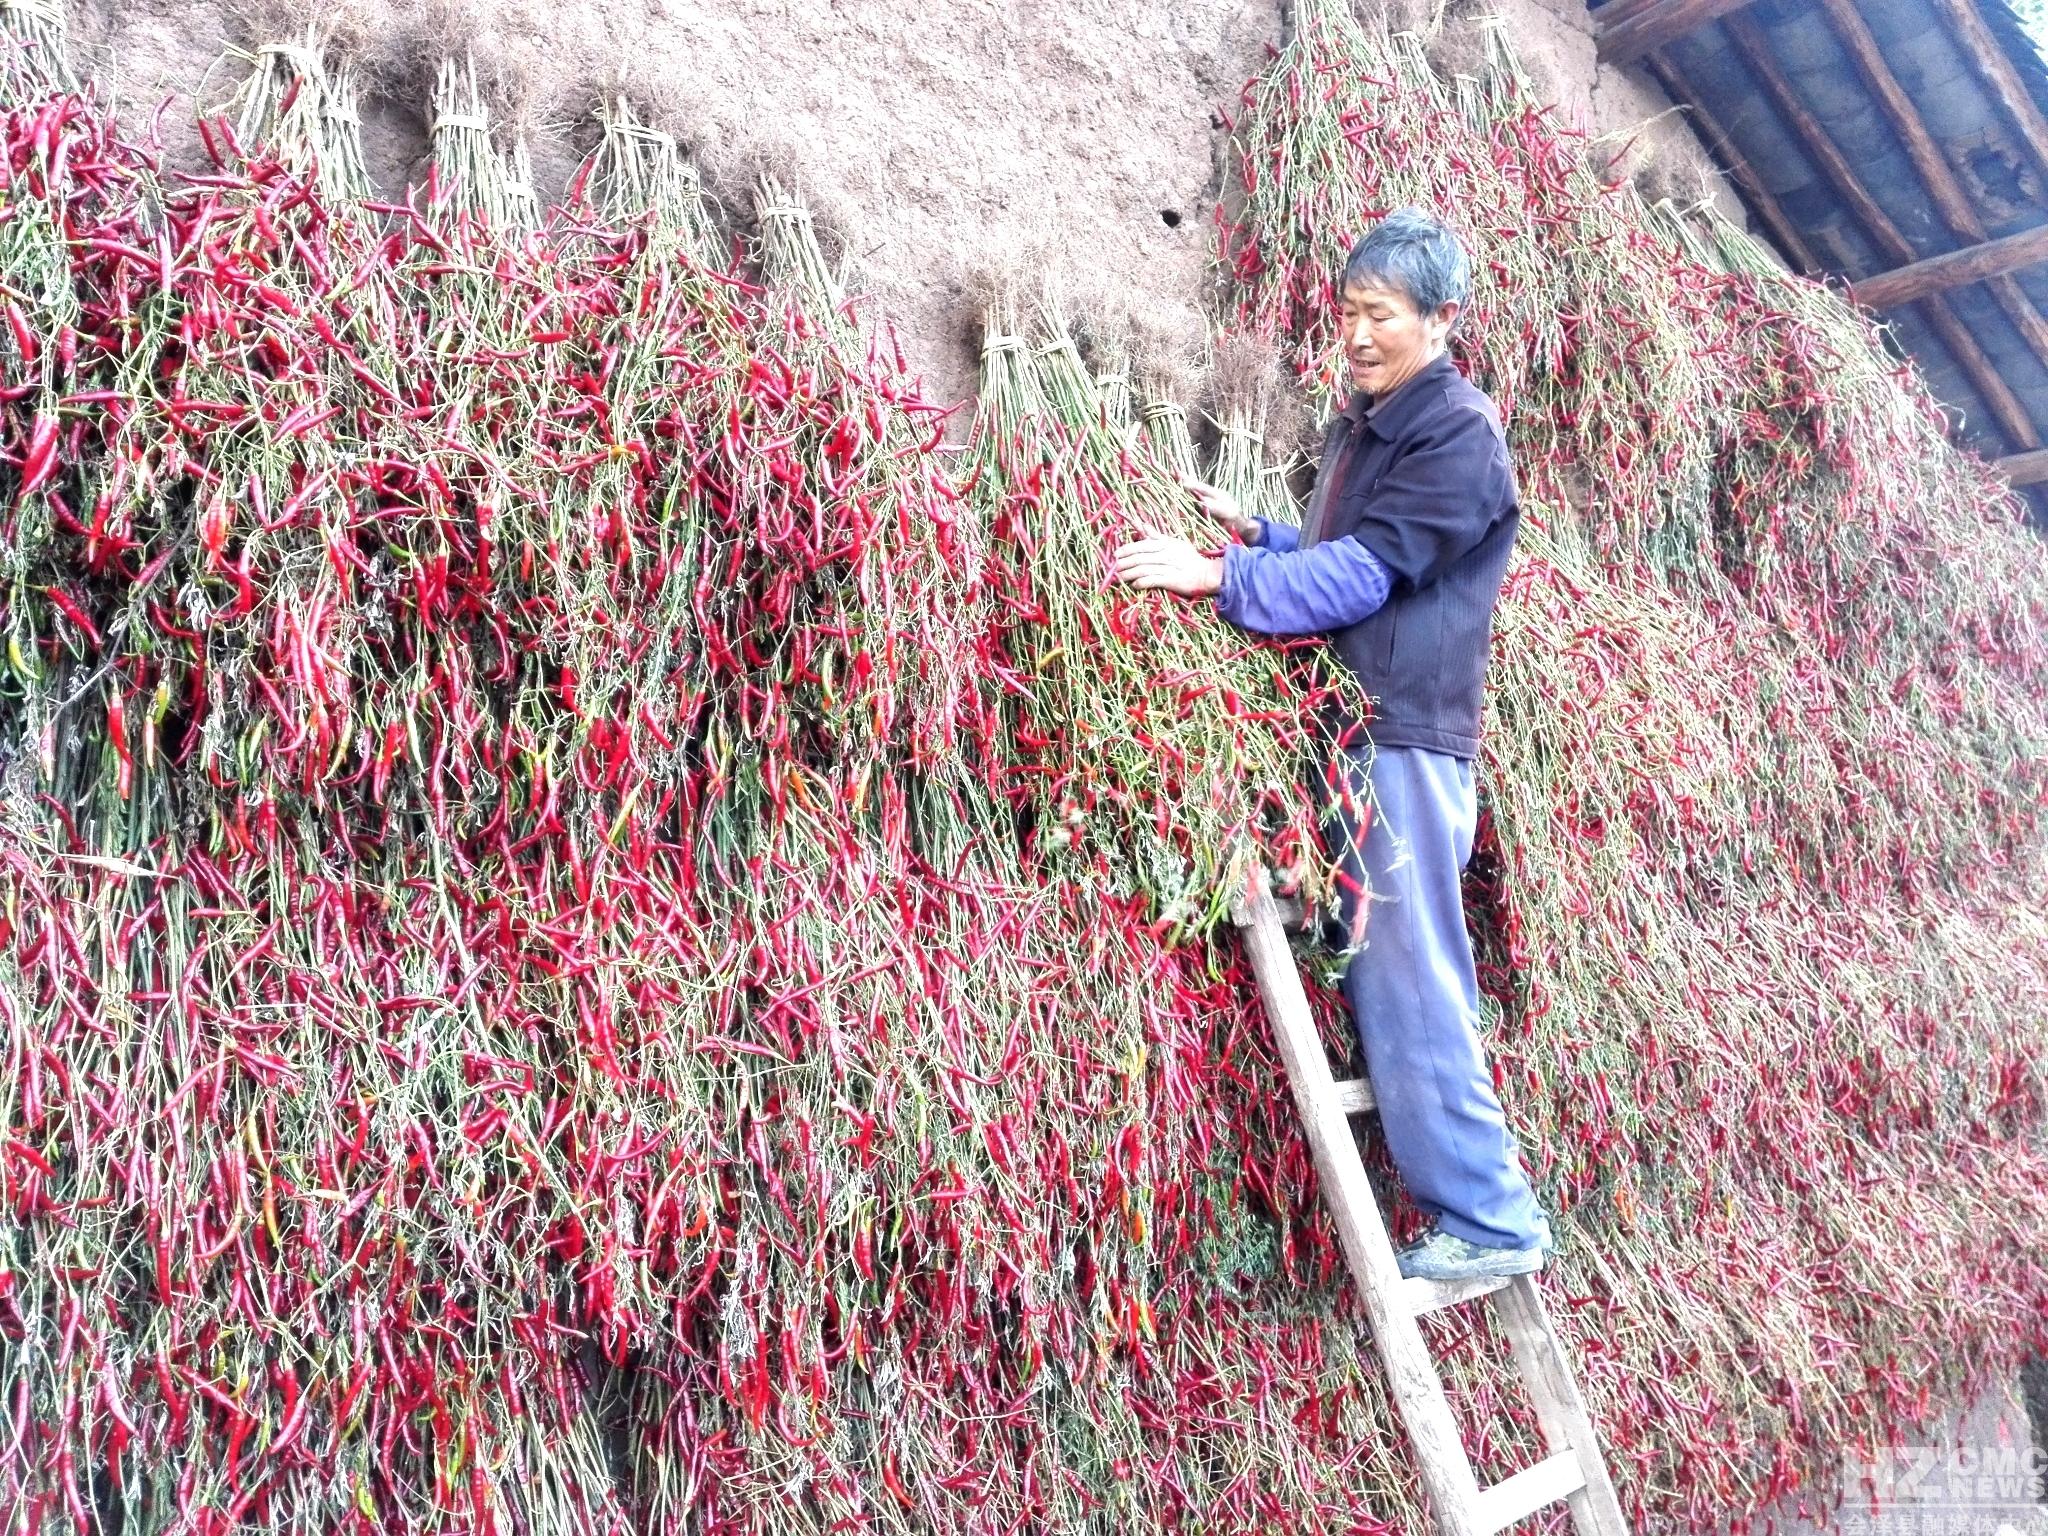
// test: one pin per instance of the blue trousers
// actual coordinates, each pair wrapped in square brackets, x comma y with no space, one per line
[1415,997]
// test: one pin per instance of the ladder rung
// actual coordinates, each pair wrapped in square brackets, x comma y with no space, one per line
[1553,1478]
[1354,1096]
[1427,1296]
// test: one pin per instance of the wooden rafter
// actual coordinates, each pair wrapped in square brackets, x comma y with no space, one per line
[1929,161]
[1971,264]
[1754,49]
[1630,31]
[2024,468]
[1995,69]
[1616,12]
[1935,174]
[1780,228]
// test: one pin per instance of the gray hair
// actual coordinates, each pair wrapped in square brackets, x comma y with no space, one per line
[1412,253]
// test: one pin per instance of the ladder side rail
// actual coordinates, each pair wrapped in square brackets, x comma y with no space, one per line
[1417,1389]
[1560,1409]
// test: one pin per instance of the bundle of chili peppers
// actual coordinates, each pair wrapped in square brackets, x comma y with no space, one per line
[1162,752]
[1761,854]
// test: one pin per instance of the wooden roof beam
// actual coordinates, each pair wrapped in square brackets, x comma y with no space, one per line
[1981,47]
[1926,155]
[1933,167]
[1776,224]
[2024,468]
[1971,264]
[1615,12]
[1647,25]
[1754,49]
[1975,365]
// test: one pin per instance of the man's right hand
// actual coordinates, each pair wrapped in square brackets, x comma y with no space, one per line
[1222,506]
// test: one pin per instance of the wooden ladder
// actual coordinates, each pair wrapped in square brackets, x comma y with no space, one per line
[1574,1470]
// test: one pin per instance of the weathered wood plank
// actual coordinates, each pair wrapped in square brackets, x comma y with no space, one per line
[1529,1490]
[1783,232]
[1356,1097]
[1937,274]
[1427,1296]
[1647,27]
[2024,468]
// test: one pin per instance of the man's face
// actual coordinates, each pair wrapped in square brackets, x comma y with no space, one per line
[1387,341]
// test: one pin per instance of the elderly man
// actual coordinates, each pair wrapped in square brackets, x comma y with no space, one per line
[1399,562]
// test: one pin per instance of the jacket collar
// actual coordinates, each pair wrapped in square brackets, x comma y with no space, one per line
[1390,417]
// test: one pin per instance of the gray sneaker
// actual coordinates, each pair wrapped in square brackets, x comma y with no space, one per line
[1437,1255]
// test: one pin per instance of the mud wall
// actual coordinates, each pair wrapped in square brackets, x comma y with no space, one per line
[934,137]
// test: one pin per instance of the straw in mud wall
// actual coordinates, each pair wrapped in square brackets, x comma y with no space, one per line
[1247,389]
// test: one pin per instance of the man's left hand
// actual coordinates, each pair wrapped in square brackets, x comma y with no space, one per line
[1171,565]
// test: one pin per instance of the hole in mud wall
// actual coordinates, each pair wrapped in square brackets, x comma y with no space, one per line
[396,143]
[1170,217]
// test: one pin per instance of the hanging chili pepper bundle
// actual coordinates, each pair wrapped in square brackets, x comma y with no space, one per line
[1171,748]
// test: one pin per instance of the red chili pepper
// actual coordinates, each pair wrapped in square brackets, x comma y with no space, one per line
[117,733]
[25,343]
[40,460]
